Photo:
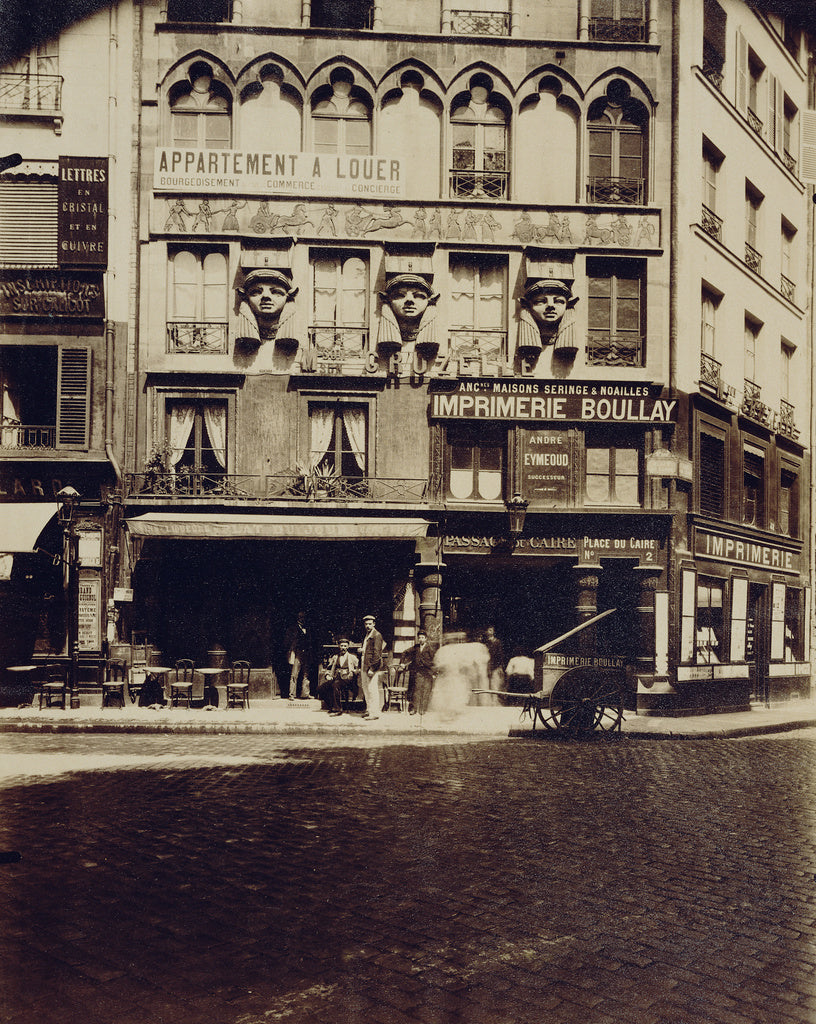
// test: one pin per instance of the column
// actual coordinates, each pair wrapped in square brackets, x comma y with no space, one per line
[377,16]
[587,578]
[428,584]
[647,577]
[515,18]
[446,18]
[583,19]
[305,13]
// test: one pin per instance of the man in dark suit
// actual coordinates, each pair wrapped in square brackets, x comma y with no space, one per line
[370,665]
[420,674]
[340,675]
[298,644]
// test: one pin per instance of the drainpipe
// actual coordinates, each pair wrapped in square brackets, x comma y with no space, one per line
[110,328]
[110,336]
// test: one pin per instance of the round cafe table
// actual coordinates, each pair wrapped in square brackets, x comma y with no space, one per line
[210,692]
[22,676]
[157,674]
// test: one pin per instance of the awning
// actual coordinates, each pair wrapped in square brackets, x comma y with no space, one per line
[22,522]
[210,526]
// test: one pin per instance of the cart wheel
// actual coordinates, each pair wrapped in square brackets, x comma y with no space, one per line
[578,705]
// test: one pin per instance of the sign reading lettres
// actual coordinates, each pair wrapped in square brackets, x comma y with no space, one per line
[82,216]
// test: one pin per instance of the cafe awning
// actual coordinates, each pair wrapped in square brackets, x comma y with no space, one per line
[251,526]
[22,522]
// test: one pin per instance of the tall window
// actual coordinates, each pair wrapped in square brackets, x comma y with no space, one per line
[475,454]
[341,117]
[708,327]
[786,352]
[478,304]
[617,126]
[753,485]
[789,503]
[32,82]
[615,312]
[338,438]
[619,20]
[750,346]
[197,307]
[756,99]
[753,202]
[709,636]
[339,327]
[200,111]
[712,162]
[612,470]
[197,434]
[712,474]
[787,284]
[341,13]
[714,22]
[479,131]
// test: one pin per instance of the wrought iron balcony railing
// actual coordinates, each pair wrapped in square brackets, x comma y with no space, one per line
[334,350]
[308,486]
[618,30]
[475,348]
[30,92]
[752,404]
[479,184]
[789,160]
[22,437]
[188,483]
[711,223]
[753,259]
[713,63]
[605,349]
[183,336]
[615,190]
[710,370]
[480,23]
[785,422]
[754,121]
[788,288]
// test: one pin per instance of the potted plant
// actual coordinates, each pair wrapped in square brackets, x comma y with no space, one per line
[156,469]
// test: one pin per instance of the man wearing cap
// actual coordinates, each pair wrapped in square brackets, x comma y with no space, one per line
[340,676]
[370,665]
[263,312]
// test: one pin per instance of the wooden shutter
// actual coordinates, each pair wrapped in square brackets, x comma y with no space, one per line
[28,223]
[73,397]
[772,134]
[742,72]
[808,167]
[779,113]
[712,475]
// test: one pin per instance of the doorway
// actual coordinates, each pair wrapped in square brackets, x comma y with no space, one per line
[757,641]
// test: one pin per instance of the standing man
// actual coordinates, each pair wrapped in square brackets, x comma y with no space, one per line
[420,675]
[298,642]
[370,665]
[339,677]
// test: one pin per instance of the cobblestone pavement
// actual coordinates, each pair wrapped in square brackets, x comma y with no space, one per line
[256,879]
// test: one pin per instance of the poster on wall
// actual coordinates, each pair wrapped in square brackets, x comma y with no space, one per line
[89,625]
[545,466]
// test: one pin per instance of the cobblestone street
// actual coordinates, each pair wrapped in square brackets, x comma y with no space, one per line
[251,879]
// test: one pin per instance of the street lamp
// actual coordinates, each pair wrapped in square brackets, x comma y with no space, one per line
[68,498]
[516,513]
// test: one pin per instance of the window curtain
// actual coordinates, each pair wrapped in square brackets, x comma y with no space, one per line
[322,422]
[182,417]
[215,420]
[355,422]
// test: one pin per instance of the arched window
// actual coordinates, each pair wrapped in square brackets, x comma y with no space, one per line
[618,136]
[479,132]
[341,117]
[200,111]
[270,110]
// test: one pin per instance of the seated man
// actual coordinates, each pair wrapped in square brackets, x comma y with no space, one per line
[339,680]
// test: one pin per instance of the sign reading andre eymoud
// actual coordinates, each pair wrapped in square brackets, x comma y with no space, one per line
[543,400]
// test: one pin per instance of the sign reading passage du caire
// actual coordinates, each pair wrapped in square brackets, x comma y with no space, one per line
[226,171]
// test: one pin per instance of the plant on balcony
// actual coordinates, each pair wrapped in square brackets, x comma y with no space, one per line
[317,481]
[156,471]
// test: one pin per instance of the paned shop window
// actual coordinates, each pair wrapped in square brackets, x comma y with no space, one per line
[753,485]
[338,438]
[708,638]
[200,111]
[475,457]
[612,470]
[615,312]
[479,132]
[197,302]
[196,429]
[712,474]
[341,117]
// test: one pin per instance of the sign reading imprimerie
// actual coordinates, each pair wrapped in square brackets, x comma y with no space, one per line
[547,401]
[228,171]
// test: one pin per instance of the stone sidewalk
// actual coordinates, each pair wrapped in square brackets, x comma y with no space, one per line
[305,718]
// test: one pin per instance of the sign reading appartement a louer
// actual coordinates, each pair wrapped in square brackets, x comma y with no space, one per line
[82,216]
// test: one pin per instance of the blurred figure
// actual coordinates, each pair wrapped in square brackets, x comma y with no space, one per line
[298,644]
[420,661]
[371,663]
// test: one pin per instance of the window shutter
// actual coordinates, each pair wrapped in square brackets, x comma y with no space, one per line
[742,72]
[780,113]
[808,172]
[712,475]
[28,223]
[773,134]
[73,397]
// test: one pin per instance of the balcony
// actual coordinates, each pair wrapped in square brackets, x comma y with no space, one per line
[479,184]
[618,30]
[789,160]
[17,437]
[754,121]
[788,288]
[336,350]
[479,351]
[710,370]
[30,93]
[188,483]
[711,223]
[752,405]
[604,349]
[480,23]
[183,336]
[713,63]
[753,259]
[616,190]
[785,421]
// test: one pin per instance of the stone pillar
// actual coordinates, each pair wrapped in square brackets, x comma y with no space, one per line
[587,578]
[428,585]
[305,13]
[515,18]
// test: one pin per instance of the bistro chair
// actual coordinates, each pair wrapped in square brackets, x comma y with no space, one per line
[238,685]
[181,687]
[138,665]
[395,687]
[113,687]
[54,687]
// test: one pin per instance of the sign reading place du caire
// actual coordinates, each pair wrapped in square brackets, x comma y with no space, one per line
[545,401]
[226,171]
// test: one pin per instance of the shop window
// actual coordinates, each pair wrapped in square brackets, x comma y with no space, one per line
[712,474]
[615,312]
[197,301]
[341,117]
[338,440]
[478,309]
[617,145]
[789,503]
[612,470]
[196,432]
[475,461]
[200,111]
[753,486]
[479,132]
[339,318]
[794,646]
[205,11]
[708,637]
[45,393]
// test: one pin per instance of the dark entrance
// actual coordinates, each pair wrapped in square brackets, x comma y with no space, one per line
[757,641]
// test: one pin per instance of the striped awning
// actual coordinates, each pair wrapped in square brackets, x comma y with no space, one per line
[252,526]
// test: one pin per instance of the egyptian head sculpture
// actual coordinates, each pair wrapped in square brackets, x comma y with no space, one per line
[266,308]
[408,314]
[544,318]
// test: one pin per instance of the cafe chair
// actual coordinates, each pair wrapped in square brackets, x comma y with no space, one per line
[54,687]
[113,687]
[395,688]
[181,687]
[138,666]
[238,685]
